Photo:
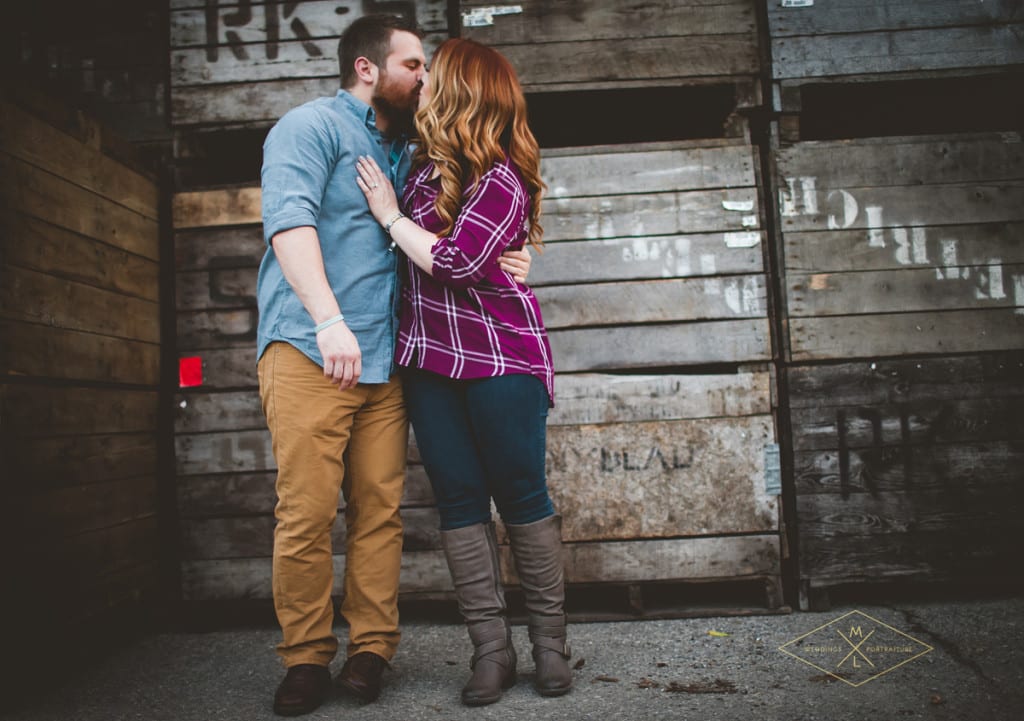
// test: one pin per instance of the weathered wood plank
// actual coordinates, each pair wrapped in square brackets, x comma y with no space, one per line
[944,466]
[699,211]
[896,51]
[47,463]
[83,557]
[202,412]
[55,200]
[221,248]
[74,510]
[42,351]
[994,285]
[201,330]
[36,411]
[934,556]
[653,301]
[206,208]
[948,204]
[901,380]
[644,168]
[665,478]
[590,398]
[216,288]
[679,256]
[33,297]
[613,562]
[230,452]
[918,423]
[32,243]
[38,143]
[646,58]
[905,334]
[830,516]
[899,160]
[660,345]
[849,16]
[535,21]
[959,246]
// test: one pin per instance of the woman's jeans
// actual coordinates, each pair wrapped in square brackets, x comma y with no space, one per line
[481,439]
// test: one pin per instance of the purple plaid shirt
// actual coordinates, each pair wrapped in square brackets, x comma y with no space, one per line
[471,319]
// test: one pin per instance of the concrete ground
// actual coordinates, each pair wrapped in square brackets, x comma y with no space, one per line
[716,668]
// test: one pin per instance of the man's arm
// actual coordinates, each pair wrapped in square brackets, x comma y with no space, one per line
[298,253]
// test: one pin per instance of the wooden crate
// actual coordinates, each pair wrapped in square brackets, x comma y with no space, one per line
[870,48]
[245,64]
[908,470]
[891,38]
[898,246]
[668,274]
[565,46]
[80,360]
[904,293]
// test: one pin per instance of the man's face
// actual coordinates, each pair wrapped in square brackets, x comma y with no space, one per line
[401,79]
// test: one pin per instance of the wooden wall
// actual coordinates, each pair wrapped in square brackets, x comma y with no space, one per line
[903,270]
[901,294]
[669,274]
[856,301]
[80,364]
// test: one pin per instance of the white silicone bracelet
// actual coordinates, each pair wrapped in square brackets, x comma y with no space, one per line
[329,322]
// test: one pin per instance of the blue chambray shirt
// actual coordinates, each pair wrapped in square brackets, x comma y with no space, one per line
[308,178]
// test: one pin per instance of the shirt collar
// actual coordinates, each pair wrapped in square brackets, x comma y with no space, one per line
[360,109]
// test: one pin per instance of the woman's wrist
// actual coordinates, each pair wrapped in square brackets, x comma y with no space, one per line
[392,219]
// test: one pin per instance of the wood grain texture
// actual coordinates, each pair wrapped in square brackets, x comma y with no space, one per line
[43,146]
[660,40]
[908,468]
[57,201]
[658,479]
[35,244]
[661,345]
[824,55]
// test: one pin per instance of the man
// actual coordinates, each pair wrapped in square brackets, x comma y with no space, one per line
[327,293]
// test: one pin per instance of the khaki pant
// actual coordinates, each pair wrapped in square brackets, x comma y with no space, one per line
[326,441]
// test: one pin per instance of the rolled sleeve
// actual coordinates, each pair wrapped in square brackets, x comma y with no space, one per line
[489,222]
[297,165]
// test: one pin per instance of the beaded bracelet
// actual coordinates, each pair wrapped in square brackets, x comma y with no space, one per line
[387,226]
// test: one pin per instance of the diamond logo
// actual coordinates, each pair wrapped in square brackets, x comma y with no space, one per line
[855,648]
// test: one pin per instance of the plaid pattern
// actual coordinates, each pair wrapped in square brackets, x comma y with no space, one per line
[471,319]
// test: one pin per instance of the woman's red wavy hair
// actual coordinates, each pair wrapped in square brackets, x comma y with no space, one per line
[476,114]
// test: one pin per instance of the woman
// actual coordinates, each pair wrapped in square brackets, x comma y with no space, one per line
[477,369]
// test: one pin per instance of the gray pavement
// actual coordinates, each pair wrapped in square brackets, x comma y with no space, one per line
[717,668]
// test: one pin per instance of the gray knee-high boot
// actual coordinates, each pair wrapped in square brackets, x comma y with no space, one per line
[537,549]
[472,554]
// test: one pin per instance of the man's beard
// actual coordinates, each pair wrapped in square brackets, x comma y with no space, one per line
[399,108]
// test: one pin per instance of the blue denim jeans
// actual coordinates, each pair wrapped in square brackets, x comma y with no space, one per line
[481,439]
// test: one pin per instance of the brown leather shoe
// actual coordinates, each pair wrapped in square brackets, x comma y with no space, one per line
[361,675]
[303,689]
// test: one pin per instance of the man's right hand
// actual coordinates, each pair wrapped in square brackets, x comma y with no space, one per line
[343,361]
